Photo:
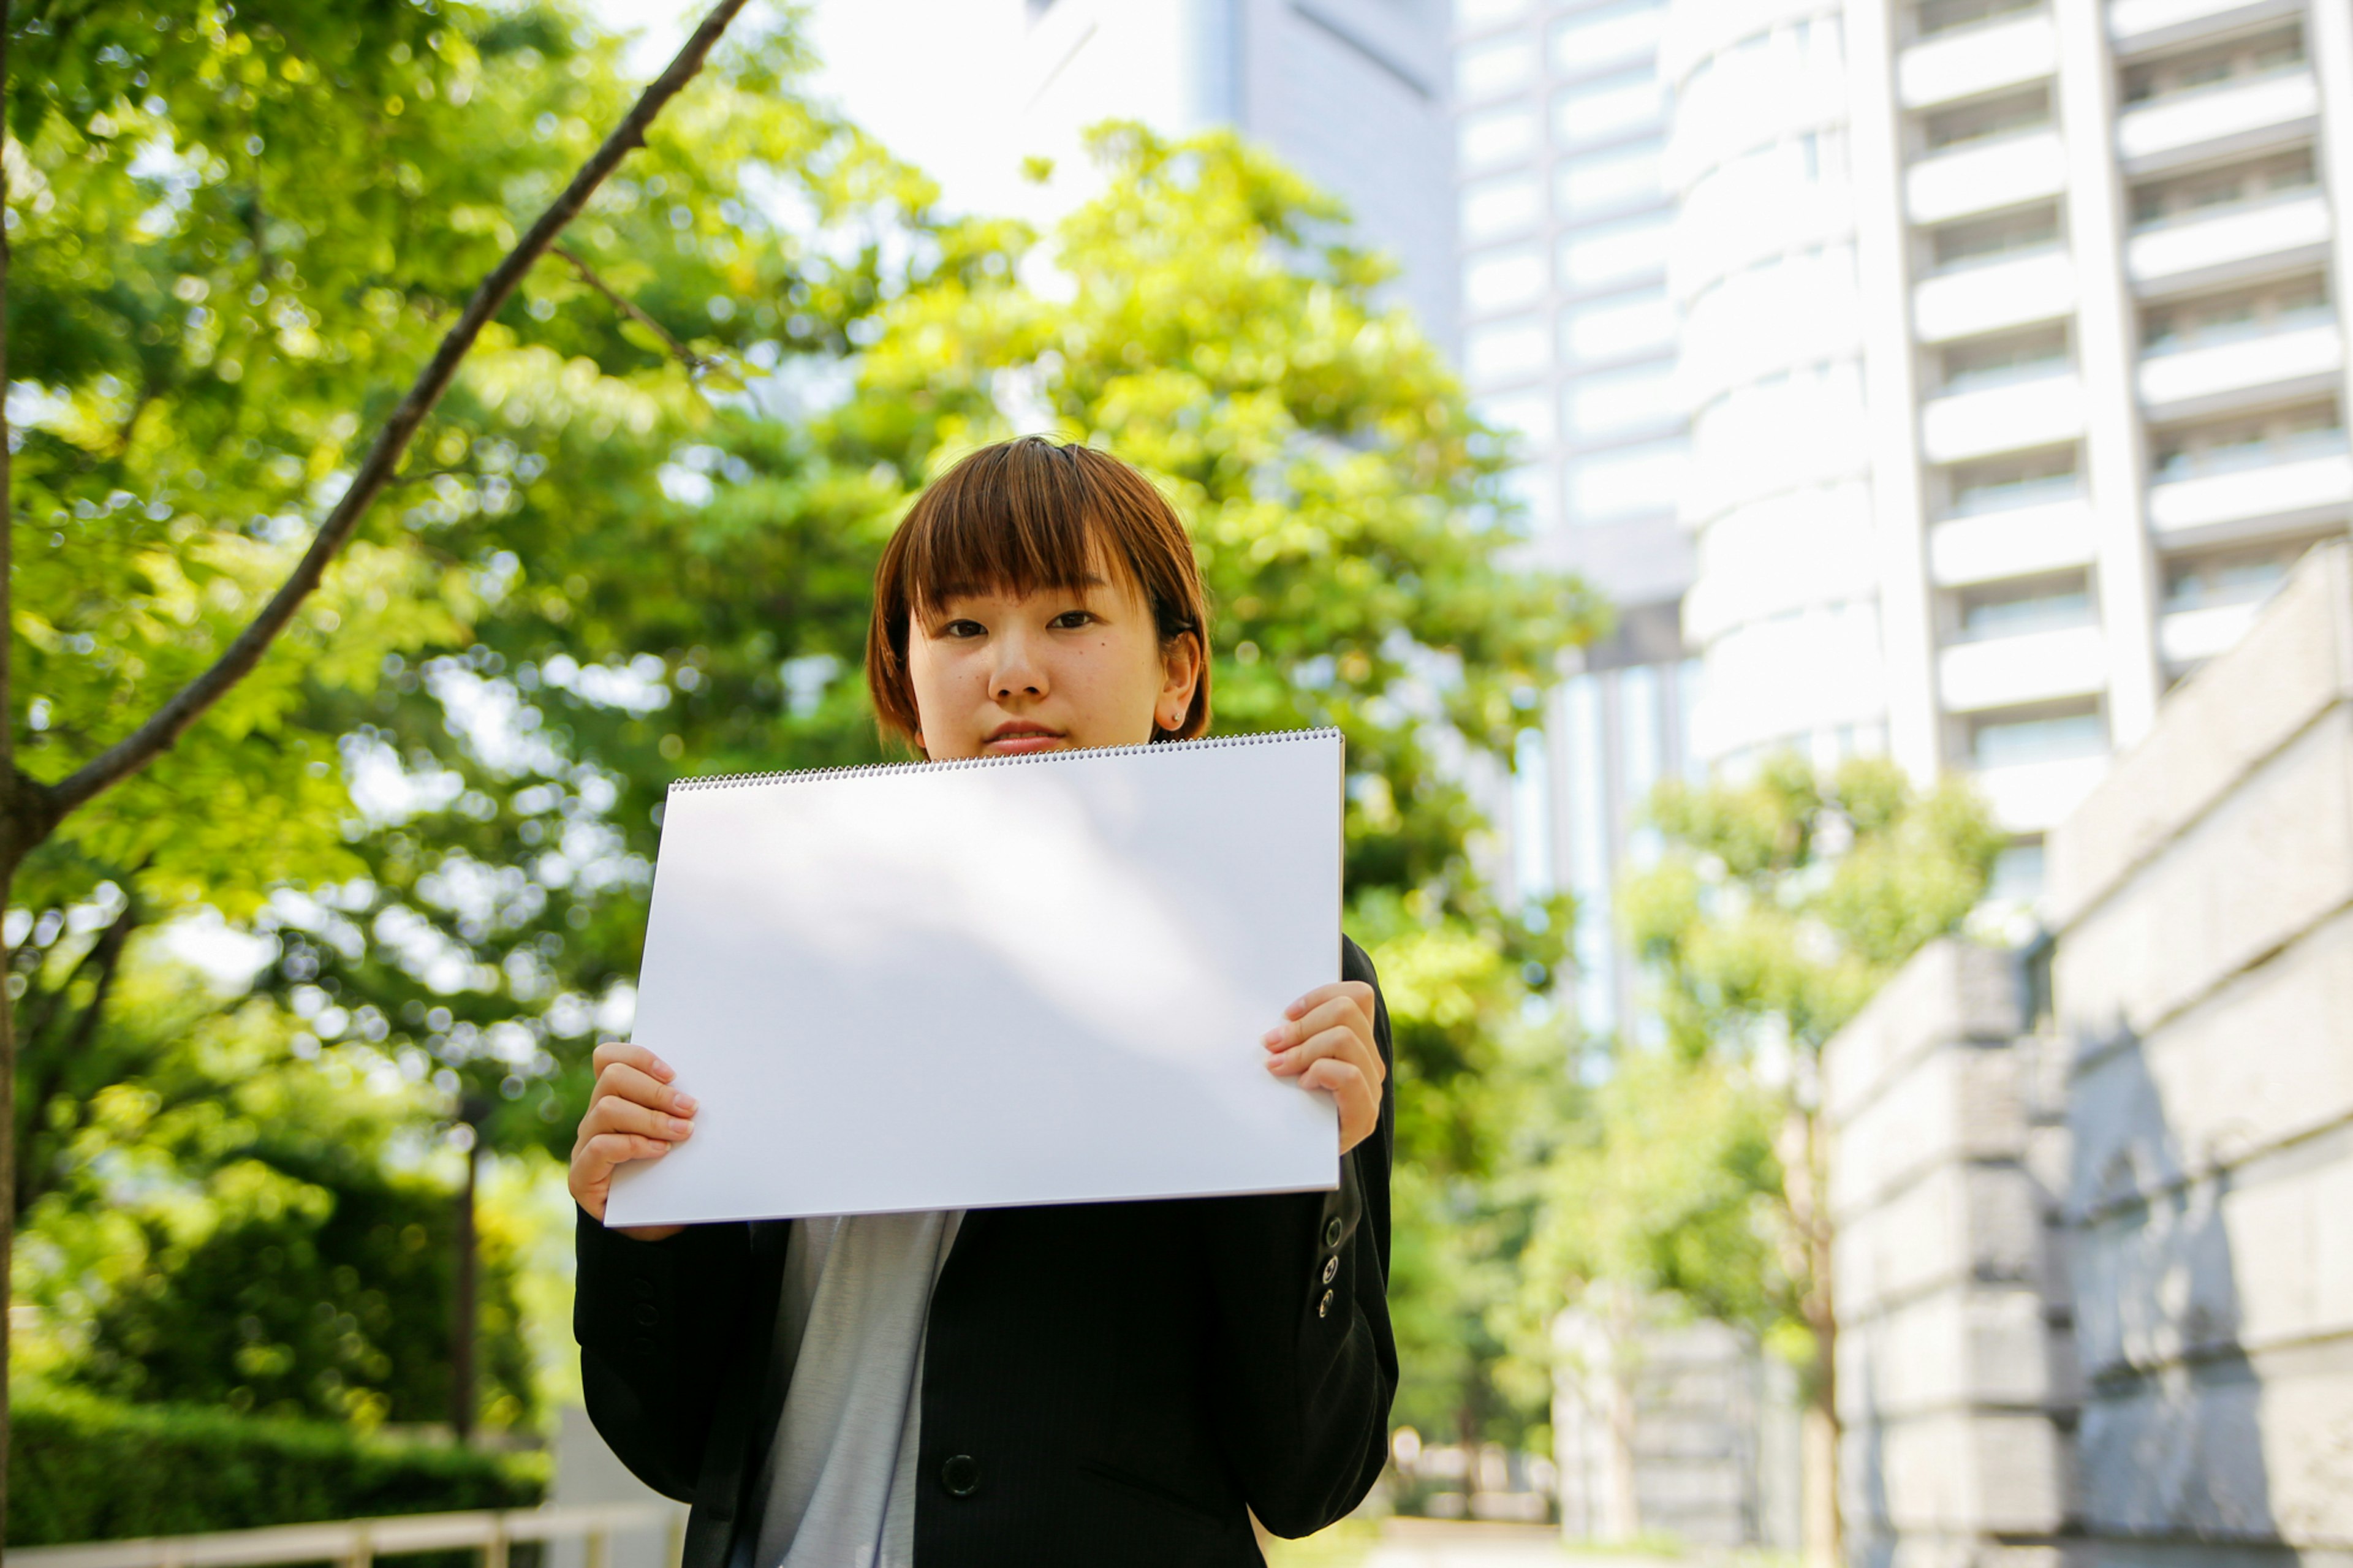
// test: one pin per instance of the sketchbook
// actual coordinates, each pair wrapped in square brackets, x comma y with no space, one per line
[1012,980]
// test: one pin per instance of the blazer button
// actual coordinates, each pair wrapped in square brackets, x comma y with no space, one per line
[1323,1308]
[960,1473]
[1331,1231]
[647,1314]
[1331,1267]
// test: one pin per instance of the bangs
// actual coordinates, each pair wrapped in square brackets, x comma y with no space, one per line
[1020,518]
[1006,522]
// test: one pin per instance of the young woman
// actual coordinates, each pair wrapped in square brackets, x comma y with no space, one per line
[1083,1384]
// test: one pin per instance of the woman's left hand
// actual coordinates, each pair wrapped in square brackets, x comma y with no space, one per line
[1327,1042]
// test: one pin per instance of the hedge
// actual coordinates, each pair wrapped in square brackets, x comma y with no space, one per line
[81,1468]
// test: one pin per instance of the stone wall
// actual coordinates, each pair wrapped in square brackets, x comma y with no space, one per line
[2202,981]
[1715,1435]
[2095,1262]
[1954,1379]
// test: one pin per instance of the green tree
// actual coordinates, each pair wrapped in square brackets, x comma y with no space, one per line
[224,1215]
[201,459]
[1780,903]
[1649,1211]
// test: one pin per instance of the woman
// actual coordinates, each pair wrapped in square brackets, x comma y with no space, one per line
[1084,1383]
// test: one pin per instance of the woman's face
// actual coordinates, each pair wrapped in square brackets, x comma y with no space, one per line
[998,674]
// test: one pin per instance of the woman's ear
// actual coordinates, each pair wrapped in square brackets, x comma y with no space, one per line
[1180,673]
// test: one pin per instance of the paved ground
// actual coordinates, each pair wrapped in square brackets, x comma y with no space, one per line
[1434,1543]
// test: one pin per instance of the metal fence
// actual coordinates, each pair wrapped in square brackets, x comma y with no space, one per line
[357,1543]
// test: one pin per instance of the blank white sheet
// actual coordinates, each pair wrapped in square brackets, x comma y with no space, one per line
[961,985]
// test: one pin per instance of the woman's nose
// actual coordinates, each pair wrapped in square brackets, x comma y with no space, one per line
[1018,670]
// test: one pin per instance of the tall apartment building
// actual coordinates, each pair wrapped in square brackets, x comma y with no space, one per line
[1352,93]
[1569,339]
[2012,342]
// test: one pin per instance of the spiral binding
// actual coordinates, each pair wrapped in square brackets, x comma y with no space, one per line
[883,770]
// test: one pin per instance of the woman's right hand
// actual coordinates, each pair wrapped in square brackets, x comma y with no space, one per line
[633,1114]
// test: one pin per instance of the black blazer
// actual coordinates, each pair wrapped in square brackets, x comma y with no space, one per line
[1102,1383]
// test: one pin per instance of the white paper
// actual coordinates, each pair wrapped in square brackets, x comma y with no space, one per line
[1020,981]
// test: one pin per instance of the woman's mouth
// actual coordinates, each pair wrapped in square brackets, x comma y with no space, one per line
[1011,740]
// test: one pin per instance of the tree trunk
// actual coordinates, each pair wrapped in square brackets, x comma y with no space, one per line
[1805,1183]
[1625,1520]
[463,1313]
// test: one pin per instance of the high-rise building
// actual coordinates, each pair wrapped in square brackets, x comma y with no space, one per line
[1352,93]
[1569,340]
[2011,338]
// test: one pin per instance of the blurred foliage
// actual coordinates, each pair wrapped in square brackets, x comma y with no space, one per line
[86,1469]
[225,1215]
[612,560]
[1781,902]
[1785,900]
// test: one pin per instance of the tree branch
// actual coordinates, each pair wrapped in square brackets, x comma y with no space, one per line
[694,361]
[165,726]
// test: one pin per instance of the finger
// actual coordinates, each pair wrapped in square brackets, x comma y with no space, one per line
[627,1082]
[614,1114]
[1332,1045]
[636,1056]
[1333,1012]
[1358,989]
[1359,1102]
[597,1156]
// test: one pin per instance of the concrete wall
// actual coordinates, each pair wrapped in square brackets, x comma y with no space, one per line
[1714,1435]
[1955,1380]
[2203,901]
[2095,1264]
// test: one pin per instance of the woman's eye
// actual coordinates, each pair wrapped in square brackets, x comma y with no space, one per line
[963,629]
[1070,620]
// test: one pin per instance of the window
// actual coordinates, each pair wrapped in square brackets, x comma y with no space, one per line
[1609,106]
[1495,136]
[1628,481]
[1612,180]
[1607,36]
[1487,13]
[2238,61]
[1529,414]
[2000,484]
[1501,207]
[1987,118]
[2189,196]
[1944,15]
[2277,436]
[1498,280]
[2017,873]
[2237,314]
[1505,349]
[1980,362]
[2029,604]
[2228,576]
[1996,239]
[1483,70]
[2054,735]
[1611,401]
[1593,257]
[1619,326]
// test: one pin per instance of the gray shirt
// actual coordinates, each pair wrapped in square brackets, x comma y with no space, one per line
[840,1485]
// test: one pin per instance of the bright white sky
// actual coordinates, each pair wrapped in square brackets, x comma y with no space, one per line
[924,75]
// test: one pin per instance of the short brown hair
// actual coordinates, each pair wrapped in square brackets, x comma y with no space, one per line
[1018,516]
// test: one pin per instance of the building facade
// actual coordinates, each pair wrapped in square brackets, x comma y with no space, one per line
[1569,340]
[2011,339]
[1352,93]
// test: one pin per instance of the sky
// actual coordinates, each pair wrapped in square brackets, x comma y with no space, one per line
[923,76]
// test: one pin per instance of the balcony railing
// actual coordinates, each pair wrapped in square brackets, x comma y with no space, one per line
[2237,456]
[2213,334]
